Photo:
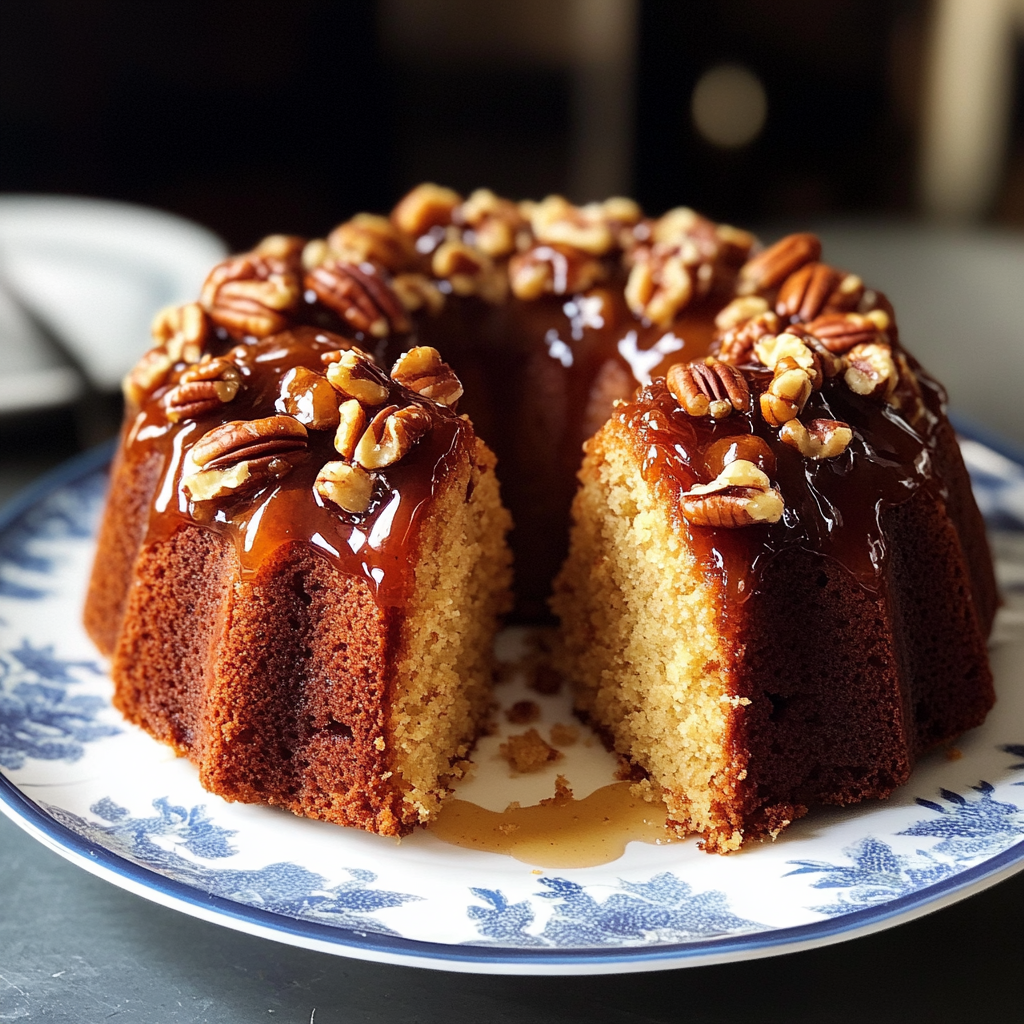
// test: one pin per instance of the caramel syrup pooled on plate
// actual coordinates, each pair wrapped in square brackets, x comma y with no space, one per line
[557,833]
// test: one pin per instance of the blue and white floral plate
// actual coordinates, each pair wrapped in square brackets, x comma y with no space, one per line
[110,799]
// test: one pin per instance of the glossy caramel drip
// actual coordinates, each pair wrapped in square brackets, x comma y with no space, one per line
[833,506]
[377,544]
[559,833]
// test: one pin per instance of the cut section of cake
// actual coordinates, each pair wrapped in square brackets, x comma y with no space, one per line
[303,565]
[768,602]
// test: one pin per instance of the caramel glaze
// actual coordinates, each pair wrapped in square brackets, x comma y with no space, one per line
[889,459]
[376,545]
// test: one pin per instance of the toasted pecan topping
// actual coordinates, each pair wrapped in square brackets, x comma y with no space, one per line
[417,291]
[776,263]
[349,487]
[353,373]
[242,455]
[806,292]
[839,332]
[422,370]
[818,439]
[309,397]
[736,345]
[787,394]
[741,495]
[708,387]
[359,295]
[181,331]
[251,294]
[202,388]
[659,286]
[871,370]
[739,311]
[426,206]
[391,435]
[368,238]
[553,270]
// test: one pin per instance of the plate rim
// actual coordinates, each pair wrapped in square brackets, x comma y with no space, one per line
[98,860]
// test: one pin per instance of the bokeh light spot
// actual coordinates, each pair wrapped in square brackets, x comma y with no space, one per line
[729,106]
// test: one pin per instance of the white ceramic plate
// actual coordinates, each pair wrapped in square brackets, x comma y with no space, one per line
[110,799]
[94,271]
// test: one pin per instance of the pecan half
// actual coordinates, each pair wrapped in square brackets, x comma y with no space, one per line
[286,248]
[359,295]
[251,295]
[659,286]
[839,332]
[391,435]
[368,238]
[181,331]
[871,370]
[552,270]
[819,439]
[354,374]
[771,267]
[468,270]
[351,427]
[736,345]
[241,455]
[426,206]
[309,397]
[556,221]
[417,291]
[739,311]
[806,292]
[741,495]
[202,388]
[349,487]
[498,226]
[422,370]
[708,387]
[787,394]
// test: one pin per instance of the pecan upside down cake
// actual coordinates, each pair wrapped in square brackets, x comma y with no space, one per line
[777,591]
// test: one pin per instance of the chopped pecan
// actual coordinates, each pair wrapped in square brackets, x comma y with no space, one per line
[741,495]
[359,295]
[846,295]
[839,332]
[736,344]
[354,374]
[806,292]
[498,226]
[351,427]
[146,376]
[202,388]
[771,350]
[739,311]
[556,221]
[468,270]
[242,455]
[391,435]
[251,294]
[422,370]
[286,248]
[871,370]
[309,397]
[771,267]
[426,206]
[659,286]
[349,487]
[417,291]
[708,387]
[367,238]
[819,439]
[787,394]
[181,331]
[552,270]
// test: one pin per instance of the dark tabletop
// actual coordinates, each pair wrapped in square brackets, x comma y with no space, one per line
[76,948]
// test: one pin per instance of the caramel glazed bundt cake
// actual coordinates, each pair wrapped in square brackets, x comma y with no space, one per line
[778,589]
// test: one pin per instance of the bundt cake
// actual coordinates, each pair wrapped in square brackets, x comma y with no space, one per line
[778,590]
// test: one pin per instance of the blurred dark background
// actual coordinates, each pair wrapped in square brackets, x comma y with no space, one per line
[261,116]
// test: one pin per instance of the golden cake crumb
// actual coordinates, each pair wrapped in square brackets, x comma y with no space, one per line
[528,752]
